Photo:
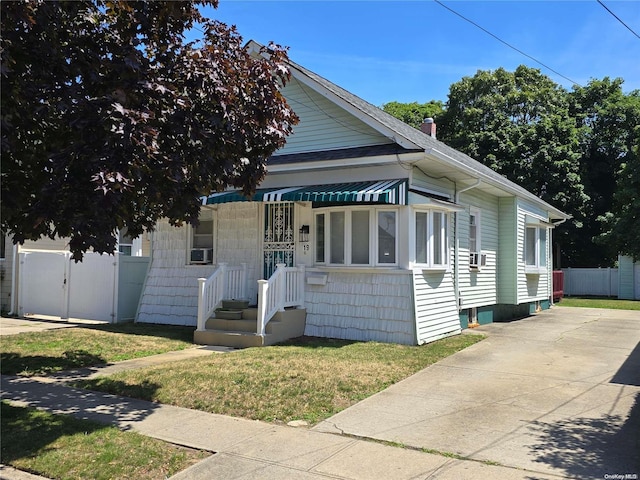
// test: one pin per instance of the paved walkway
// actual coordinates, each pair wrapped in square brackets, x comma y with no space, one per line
[557,393]
[547,397]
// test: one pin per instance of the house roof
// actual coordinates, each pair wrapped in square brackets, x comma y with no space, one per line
[411,139]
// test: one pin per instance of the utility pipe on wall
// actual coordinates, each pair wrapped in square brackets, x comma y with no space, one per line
[456,248]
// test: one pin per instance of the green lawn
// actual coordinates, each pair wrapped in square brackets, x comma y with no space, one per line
[593,302]
[62,447]
[306,379]
[40,353]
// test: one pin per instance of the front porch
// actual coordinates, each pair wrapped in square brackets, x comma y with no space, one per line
[226,318]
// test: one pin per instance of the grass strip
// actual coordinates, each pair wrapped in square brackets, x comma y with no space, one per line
[66,448]
[41,353]
[596,302]
[307,379]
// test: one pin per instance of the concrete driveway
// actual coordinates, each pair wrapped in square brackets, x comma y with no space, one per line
[556,393]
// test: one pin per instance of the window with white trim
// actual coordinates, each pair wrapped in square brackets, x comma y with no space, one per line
[474,231]
[125,242]
[356,236]
[201,241]
[535,247]
[432,239]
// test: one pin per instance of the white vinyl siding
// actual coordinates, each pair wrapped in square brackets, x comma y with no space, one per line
[170,295]
[363,306]
[435,305]
[323,125]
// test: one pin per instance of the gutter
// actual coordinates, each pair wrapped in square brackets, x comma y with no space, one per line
[456,248]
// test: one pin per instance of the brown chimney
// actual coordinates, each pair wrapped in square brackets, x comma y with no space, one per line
[429,127]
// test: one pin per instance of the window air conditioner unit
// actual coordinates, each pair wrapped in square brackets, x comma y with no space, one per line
[477,260]
[201,255]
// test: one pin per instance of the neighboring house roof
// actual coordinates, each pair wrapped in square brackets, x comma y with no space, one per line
[409,138]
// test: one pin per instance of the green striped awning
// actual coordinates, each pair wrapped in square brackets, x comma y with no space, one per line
[392,192]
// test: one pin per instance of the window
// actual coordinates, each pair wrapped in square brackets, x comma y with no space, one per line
[356,236]
[360,236]
[535,248]
[201,251]
[432,239]
[125,242]
[387,237]
[474,231]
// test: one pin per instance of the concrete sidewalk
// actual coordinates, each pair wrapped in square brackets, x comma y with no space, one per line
[246,449]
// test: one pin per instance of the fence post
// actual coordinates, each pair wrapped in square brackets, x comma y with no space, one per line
[201,282]
[243,283]
[263,287]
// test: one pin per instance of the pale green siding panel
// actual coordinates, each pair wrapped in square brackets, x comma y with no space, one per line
[437,185]
[324,125]
[508,248]
[479,287]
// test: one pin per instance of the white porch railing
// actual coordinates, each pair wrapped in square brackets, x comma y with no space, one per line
[225,283]
[285,288]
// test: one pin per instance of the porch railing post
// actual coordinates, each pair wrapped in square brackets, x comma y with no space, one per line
[201,306]
[263,287]
[222,283]
[281,285]
[301,272]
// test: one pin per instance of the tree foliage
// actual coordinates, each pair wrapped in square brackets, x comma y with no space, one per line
[414,113]
[610,122]
[110,118]
[519,124]
[578,150]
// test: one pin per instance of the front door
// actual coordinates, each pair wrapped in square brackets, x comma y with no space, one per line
[279,246]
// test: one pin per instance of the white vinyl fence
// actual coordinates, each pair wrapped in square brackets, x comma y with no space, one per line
[622,282]
[601,282]
[101,287]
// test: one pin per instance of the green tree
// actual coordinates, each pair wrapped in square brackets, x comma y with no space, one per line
[518,123]
[608,120]
[414,113]
[110,118]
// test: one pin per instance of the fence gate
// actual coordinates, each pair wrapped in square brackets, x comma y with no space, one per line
[51,283]
[279,240]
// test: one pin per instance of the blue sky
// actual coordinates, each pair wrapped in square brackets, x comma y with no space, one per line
[414,50]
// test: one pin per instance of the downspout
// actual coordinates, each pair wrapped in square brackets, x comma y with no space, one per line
[456,243]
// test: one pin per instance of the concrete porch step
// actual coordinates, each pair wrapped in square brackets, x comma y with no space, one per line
[242,333]
[230,338]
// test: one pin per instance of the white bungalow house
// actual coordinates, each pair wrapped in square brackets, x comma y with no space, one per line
[373,229]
